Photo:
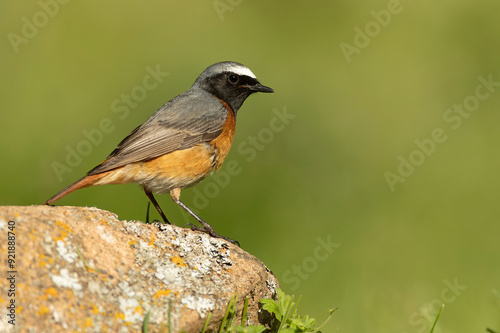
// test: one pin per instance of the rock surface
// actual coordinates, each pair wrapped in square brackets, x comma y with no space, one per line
[82,269]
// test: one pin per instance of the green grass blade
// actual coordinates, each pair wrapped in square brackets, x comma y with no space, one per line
[226,315]
[287,310]
[206,322]
[296,306]
[437,317]
[244,314]
[145,324]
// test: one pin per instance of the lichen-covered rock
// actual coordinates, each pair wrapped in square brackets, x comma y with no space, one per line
[82,269]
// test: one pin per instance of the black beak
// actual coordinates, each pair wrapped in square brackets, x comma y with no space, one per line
[260,88]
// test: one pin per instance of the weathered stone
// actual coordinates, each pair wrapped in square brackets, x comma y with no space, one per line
[82,269]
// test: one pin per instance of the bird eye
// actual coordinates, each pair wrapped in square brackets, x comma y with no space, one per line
[233,78]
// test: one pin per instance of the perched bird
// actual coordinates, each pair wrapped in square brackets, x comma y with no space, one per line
[182,142]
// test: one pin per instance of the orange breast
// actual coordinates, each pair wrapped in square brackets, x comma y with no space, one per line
[223,142]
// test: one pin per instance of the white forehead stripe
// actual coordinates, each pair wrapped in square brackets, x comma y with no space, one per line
[241,70]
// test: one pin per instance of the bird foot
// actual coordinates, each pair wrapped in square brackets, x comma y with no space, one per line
[212,233]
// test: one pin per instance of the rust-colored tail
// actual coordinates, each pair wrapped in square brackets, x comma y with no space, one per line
[84,182]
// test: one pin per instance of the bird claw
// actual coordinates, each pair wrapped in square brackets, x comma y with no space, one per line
[212,233]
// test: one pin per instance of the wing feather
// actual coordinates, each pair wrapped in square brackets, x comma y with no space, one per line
[180,124]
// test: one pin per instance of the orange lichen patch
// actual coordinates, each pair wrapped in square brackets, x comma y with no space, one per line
[43,310]
[132,242]
[65,230]
[64,233]
[139,309]
[152,240]
[120,316]
[95,309]
[50,292]
[63,226]
[88,322]
[104,222]
[179,261]
[43,262]
[161,292]
[32,234]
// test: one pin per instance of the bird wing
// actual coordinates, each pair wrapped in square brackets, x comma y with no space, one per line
[183,122]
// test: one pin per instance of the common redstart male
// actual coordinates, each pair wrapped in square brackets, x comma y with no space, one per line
[182,142]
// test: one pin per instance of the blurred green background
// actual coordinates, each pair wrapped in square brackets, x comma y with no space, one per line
[323,174]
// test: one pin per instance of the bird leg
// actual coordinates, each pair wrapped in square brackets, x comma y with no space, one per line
[207,228]
[155,203]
